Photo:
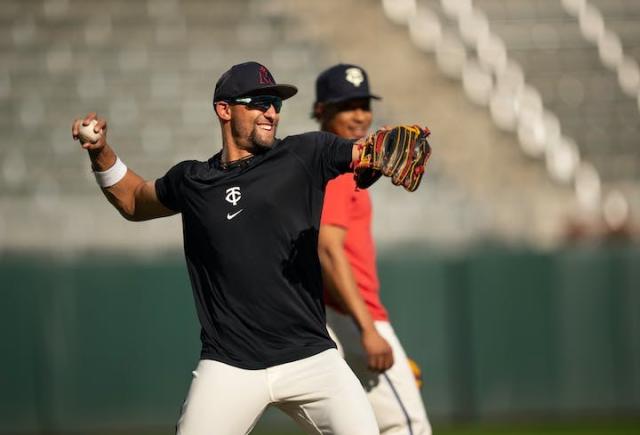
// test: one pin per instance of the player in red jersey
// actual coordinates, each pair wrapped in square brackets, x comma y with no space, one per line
[356,318]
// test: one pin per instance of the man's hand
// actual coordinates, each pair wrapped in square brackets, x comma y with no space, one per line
[102,156]
[100,127]
[379,353]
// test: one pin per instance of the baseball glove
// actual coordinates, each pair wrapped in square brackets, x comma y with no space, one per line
[400,153]
[417,372]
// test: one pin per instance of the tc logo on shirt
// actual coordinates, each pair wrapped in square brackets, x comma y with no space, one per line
[233,195]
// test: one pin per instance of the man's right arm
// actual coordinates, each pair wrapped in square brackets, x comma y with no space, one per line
[340,283]
[132,196]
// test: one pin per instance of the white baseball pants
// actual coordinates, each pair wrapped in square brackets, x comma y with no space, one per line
[394,395]
[320,393]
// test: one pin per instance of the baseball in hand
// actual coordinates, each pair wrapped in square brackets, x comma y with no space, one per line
[86,133]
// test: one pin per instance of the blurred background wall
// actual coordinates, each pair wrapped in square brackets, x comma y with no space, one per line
[501,334]
[512,275]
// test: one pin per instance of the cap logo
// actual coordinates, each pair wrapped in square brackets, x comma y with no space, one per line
[265,77]
[354,76]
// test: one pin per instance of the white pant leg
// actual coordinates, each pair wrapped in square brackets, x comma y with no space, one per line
[394,396]
[322,395]
[223,400]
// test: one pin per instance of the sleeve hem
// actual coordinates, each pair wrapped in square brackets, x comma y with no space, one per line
[160,193]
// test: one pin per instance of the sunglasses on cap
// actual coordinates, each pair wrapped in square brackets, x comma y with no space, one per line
[262,102]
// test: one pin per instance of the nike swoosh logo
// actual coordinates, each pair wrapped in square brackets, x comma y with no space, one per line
[232,215]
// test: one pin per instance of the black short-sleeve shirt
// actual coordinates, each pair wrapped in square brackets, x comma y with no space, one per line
[250,241]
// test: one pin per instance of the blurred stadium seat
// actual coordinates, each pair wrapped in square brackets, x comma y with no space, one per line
[575,97]
[150,66]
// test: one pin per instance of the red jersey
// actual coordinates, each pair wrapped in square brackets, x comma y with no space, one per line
[346,207]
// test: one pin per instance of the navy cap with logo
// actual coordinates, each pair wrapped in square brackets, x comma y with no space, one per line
[342,82]
[250,78]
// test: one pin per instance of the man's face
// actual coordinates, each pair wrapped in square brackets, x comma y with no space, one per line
[253,127]
[350,119]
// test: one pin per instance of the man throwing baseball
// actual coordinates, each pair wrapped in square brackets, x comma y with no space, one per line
[251,215]
[356,318]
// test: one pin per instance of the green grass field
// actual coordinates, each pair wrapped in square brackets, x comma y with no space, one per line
[561,429]
[592,428]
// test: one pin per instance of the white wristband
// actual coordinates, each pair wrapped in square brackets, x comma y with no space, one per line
[112,175]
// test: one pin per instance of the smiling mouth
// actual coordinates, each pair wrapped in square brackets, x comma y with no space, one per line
[267,127]
[358,131]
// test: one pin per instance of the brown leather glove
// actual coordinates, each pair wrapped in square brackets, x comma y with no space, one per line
[400,153]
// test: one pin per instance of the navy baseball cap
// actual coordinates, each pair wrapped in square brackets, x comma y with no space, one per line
[343,82]
[250,78]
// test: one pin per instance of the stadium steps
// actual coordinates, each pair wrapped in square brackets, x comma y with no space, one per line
[575,83]
[150,66]
[479,176]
